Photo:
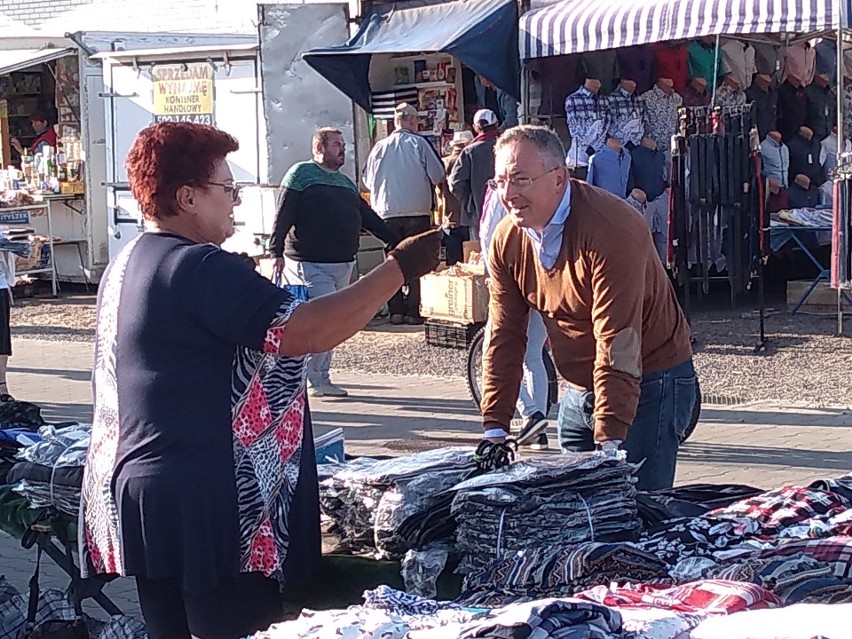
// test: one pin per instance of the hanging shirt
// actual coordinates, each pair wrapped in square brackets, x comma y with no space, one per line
[800,60]
[702,62]
[637,64]
[792,110]
[826,59]
[739,61]
[767,58]
[610,170]
[603,66]
[728,96]
[692,98]
[588,121]
[776,160]
[828,154]
[821,109]
[661,114]
[649,169]
[765,108]
[805,159]
[627,116]
[672,62]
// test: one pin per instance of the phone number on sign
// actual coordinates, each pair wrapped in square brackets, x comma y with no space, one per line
[198,118]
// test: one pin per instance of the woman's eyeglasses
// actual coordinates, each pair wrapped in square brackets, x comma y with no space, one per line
[233,189]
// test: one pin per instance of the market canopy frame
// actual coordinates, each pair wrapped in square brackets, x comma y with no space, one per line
[483,34]
[581,26]
[12,60]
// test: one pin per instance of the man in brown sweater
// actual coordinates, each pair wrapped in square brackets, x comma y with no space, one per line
[586,261]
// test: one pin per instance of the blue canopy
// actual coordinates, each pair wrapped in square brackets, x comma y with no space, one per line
[483,34]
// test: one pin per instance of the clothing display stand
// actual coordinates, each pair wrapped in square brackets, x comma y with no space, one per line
[841,252]
[716,211]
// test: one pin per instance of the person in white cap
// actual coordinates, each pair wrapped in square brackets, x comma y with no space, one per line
[455,235]
[401,173]
[474,168]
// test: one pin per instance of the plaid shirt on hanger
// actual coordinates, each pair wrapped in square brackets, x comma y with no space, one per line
[628,121]
[588,122]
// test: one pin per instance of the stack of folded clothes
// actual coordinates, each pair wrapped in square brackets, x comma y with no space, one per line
[368,500]
[558,501]
[49,473]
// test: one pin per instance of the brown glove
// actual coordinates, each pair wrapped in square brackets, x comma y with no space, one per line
[418,255]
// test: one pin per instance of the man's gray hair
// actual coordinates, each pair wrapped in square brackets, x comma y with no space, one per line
[544,138]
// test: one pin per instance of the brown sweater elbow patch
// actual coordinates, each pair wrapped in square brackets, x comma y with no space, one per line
[623,352]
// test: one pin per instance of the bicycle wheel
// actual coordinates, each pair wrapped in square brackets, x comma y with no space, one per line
[474,372]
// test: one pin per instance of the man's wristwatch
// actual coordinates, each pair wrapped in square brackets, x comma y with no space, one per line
[609,445]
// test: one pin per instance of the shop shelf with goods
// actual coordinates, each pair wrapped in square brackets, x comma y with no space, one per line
[21,223]
[431,82]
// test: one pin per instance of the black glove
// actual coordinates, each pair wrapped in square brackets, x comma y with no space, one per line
[418,255]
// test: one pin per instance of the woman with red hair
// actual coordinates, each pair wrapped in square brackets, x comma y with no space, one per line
[201,478]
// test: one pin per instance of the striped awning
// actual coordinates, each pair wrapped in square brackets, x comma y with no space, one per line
[578,26]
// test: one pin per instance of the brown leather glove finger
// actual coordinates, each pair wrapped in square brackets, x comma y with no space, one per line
[418,255]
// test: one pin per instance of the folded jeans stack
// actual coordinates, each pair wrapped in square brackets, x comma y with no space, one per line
[553,501]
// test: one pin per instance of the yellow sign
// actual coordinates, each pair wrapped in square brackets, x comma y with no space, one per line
[183,93]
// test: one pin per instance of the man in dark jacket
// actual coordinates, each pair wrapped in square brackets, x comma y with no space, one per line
[455,235]
[805,150]
[474,168]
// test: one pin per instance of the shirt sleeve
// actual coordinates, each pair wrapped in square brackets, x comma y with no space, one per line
[288,205]
[233,302]
[370,221]
[503,359]
[618,291]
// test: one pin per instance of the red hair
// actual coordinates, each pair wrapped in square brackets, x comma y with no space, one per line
[169,155]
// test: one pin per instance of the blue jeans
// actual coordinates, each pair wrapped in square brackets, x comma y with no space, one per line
[321,279]
[666,400]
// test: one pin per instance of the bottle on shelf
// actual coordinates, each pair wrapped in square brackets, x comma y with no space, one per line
[61,163]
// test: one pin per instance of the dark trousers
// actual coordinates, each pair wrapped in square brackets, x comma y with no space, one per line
[400,303]
[454,240]
[666,400]
[248,604]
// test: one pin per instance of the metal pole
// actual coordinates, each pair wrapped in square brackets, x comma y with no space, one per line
[841,140]
[715,72]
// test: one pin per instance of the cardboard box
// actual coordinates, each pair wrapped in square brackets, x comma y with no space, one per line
[455,298]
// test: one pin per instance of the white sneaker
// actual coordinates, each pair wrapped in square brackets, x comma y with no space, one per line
[327,390]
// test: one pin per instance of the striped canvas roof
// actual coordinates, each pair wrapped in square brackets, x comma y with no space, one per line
[577,26]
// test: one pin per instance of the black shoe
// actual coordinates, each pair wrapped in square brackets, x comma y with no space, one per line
[412,320]
[533,425]
[540,443]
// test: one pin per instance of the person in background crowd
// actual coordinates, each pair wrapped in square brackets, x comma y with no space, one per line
[792,107]
[506,104]
[474,168]
[764,100]
[45,134]
[587,115]
[585,261]
[201,478]
[696,93]
[821,101]
[7,300]
[455,235]
[532,398]
[805,153]
[776,169]
[609,168]
[401,173]
[317,231]
[648,172]
[803,193]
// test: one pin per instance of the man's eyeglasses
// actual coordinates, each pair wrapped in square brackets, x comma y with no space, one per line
[520,183]
[233,189]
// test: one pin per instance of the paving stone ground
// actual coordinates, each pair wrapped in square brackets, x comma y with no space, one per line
[766,444]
